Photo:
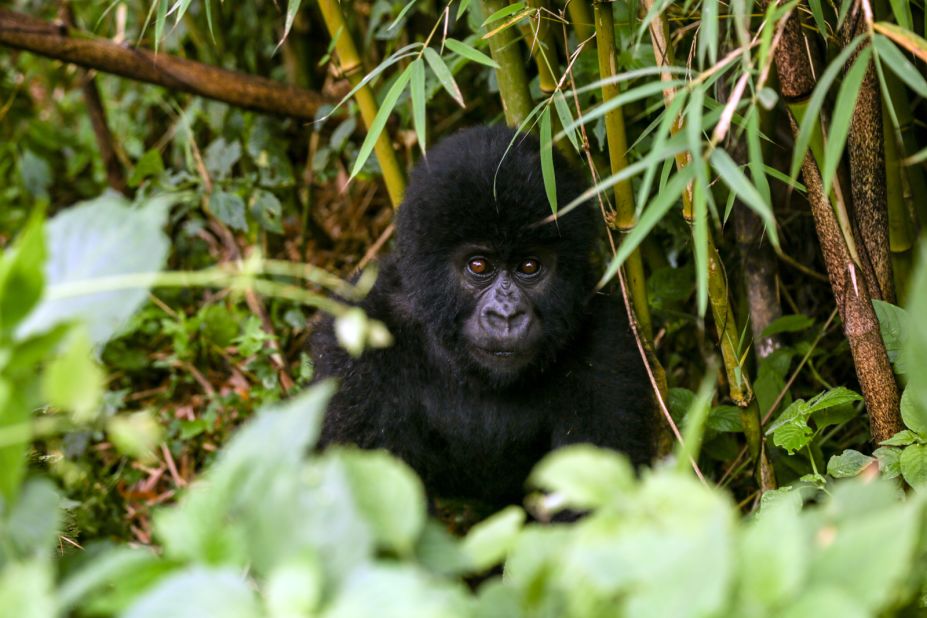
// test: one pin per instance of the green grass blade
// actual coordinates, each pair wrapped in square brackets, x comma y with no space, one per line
[379,122]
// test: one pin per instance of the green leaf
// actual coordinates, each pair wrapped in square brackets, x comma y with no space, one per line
[791,430]
[490,541]
[834,397]
[102,238]
[913,465]
[294,588]
[773,546]
[470,53]
[436,62]
[889,461]
[136,435]
[725,419]
[811,116]
[21,276]
[397,590]
[27,589]
[229,208]
[267,210]
[893,325]
[848,463]
[547,161]
[586,476]
[389,495]
[842,114]
[913,413]
[149,165]
[890,57]
[417,94]
[198,591]
[36,175]
[566,118]
[708,33]
[505,11]
[33,523]
[379,121]
[788,324]
[653,214]
[739,184]
[221,156]
[902,438]
[73,381]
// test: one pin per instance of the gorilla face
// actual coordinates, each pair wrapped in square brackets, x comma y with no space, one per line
[495,293]
[503,333]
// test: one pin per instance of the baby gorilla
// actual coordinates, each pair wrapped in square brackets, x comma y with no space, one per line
[502,349]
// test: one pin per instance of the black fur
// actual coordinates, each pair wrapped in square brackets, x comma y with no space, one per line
[466,430]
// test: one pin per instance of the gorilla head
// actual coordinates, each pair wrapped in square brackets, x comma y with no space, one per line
[501,291]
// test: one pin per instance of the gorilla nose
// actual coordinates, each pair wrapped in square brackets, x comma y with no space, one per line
[509,322]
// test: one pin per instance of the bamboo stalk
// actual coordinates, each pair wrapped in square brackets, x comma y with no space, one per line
[901,228]
[513,81]
[353,69]
[56,40]
[865,144]
[851,293]
[541,43]
[625,219]
[581,17]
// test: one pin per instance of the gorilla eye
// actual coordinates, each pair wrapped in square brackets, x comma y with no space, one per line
[529,267]
[478,266]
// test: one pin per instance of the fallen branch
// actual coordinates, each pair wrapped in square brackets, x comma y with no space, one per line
[57,40]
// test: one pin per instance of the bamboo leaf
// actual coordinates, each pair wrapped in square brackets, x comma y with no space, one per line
[635,94]
[212,33]
[504,12]
[755,152]
[905,38]
[900,65]
[439,68]
[652,215]
[292,8]
[664,132]
[462,7]
[470,53]
[708,33]
[700,240]
[402,14]
[817,11]
[547,161]
[160,18]
[379,122]
[566,118]
[417,92]
[735,179]
[812,115]
[843,113]
[901,9]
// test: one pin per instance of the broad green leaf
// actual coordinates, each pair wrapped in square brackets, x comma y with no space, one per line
[774,547]
[902,438]
[73,381]
[848,463]
[389,495]
[586,476]
[913,465]
[834,397]
[547,161]
[889,461]
[811,115]
[196,592]
[32,526]
[27,589]
[470,53]
[229,208]
[899,65]
[893,325]
[267,210]
[417,94]
[725,419]
[398,590]
[439,68]
[842,115]
[294,588]
[36,175]
[136,434]
[379,121]
[221,156]
[657,209]
[913,413]
[788,324]
[21,275]
[729,171]
[829,601]
[102,238]
[149,165]
[489,542]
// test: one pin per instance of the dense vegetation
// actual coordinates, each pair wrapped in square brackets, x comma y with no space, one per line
[165,252]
